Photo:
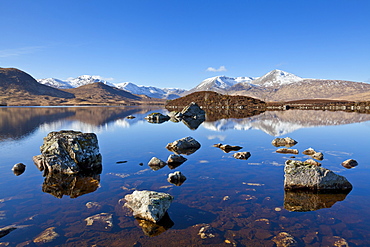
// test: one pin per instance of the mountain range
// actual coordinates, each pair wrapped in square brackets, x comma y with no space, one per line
[276,85]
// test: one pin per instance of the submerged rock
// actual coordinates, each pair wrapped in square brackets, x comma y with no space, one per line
[350,163]
[157,117]
[304,201]
[148,205]
[69,152]
[300,175]
[287,142]
[19,168]
[227,148]
[46,236]
[207,231]
[284,239]
[287,151]
[156,164]
[102,221]
[176,178]
[242,155]
[186,145]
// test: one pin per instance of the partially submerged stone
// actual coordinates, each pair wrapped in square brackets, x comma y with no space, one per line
[186,145]
[193,110]
[175,160]
[69,152]
[303,176]
[242,155]
[102,221]
[287,142]
[130,117]
[149,205]
[19,168]
[176,178]
[227,148]
[157,117]
[318,156]
[309,151]
[350,163]
[156,164]
[287,151]
[207,231]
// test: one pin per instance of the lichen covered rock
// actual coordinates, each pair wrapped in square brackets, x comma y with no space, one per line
[69,152]
[303,176]
[148,205]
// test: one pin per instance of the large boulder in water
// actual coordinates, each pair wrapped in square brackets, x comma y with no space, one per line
[303,176]
[148,205]
[186,145]
[194,111]
[69,152]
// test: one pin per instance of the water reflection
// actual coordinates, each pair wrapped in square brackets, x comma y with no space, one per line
[277,123]
[303,201]
[59,184]
[152,229]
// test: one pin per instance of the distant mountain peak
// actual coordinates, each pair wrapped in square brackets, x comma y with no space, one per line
[276,78]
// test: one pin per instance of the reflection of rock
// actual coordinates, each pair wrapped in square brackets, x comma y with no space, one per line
[287,151]
[176,178]
[69,152]
[149,205]
[46,236]
[156,164]
[300,175]
[242,155]
[192,123]
[19,168]
[6,230]
[192,116]
[287,141]
[102,221]
[284,239]
[175,160]
[74,185]
[227,148]
[349,163]
[152,229]
[186,145]
[302,201]
[157,117]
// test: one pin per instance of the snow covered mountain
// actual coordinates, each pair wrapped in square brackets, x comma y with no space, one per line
[154,92]
[56,83]
[87,79]
[276,78]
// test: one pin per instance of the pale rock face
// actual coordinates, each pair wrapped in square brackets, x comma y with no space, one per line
[69,152]
[300,175]
[287,141]
[148,205]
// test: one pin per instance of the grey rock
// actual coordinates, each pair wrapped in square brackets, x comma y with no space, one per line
[156,164]
[19,168]
[242,155]
[69,152]
[194,111]
[148,205]
[350,163]
[287,142]
[300,175]
[186,145]
[176,178]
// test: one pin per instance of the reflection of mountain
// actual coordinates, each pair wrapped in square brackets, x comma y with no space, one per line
[277,123]
[18,122]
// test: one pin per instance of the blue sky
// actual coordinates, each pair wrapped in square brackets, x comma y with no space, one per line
[172,43]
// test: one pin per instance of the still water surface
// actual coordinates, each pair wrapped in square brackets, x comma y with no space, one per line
[242,200]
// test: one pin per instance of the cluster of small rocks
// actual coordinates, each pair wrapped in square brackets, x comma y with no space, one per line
[228,148]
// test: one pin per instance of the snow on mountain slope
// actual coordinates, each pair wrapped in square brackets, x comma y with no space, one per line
[221,83]
[87,79]
[56,83]
[276,78]
[154,92]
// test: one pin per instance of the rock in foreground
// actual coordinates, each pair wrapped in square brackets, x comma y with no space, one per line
[186,145]
[349,163]
[148,205]
[303,176]
[69,152]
